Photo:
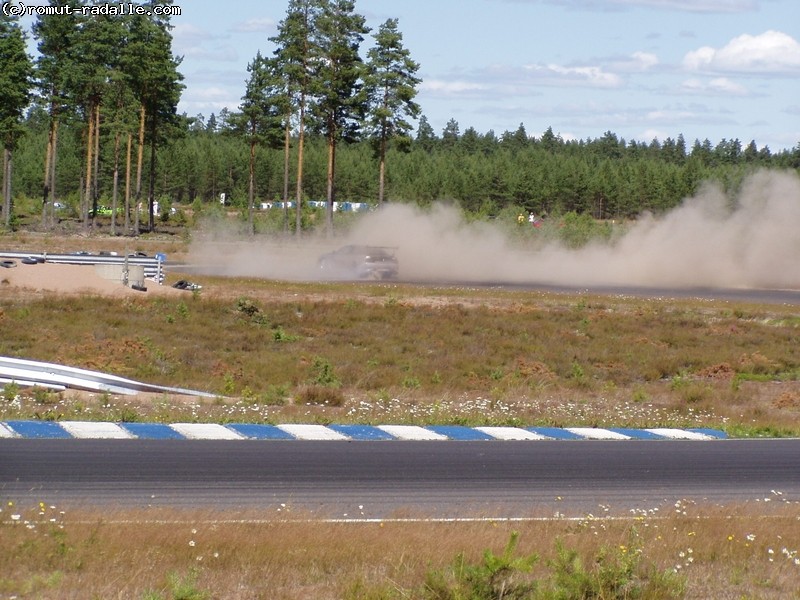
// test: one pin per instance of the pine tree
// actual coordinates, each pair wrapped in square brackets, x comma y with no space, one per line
[426,136]
[15,92]
[56,38]
[341,101]
[95,40]
[153,75]
[260,118]
[391,83]
[295,56]
[122,123]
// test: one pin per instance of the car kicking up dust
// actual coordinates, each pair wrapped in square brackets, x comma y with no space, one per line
[711,240]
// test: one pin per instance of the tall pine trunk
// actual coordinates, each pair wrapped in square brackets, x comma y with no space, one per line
[139,162]
[331,192]
[87,192]
[251,185]
[300,141]
[286,148]
[49,187]
[52,174]
[7,206]
[46,187]
[382,170]
[128,184]
[151,191]
[95,174]
[115,185]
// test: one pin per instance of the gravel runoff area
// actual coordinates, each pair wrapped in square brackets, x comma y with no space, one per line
[70,279]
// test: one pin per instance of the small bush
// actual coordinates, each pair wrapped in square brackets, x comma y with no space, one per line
[498,576]
[319,394]
[10,392]
[279,335]
[276,395]
[323,373]
[248,309]
[613,574]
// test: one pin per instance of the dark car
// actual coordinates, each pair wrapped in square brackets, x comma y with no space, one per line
[361,262]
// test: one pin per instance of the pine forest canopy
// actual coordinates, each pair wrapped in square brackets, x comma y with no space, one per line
[321,117]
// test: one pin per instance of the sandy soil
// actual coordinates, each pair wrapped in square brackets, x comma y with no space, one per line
[70,279]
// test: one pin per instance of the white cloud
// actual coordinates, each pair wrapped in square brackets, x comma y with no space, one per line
[708,6]
[186,33]
[207,99]
[223,53]
[210,94]
[769,52]
[645,60]
[638,62]
[255,25]
[695,6]
[648,135]
[584,76]
[195,42]
[669,116]
[449,88]
[716,86]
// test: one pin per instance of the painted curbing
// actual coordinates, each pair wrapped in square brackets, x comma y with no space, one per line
[248,431]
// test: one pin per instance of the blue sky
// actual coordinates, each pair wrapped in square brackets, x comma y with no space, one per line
[643,69]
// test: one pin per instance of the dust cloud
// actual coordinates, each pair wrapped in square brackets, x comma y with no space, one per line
[751,240]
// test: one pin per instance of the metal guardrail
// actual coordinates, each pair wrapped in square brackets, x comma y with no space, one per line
[153,265]
[31,373]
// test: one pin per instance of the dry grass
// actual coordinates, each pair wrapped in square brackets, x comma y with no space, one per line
[365,353]
[744,552]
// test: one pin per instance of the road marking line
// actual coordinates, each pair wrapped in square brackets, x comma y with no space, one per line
[680,434]
[411,432]
[593,433]
[6,431]
[312,432]
[205,431]
[512,433]
[95,430]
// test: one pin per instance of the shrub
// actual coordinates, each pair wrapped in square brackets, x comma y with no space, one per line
[498,576]
[323,373]
[319,394]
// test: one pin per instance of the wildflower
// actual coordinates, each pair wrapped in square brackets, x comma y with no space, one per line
[15,517]
[191,543]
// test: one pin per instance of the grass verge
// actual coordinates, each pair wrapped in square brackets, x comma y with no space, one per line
[678,551]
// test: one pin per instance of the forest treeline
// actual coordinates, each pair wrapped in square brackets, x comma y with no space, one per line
[483,173]
[93,121]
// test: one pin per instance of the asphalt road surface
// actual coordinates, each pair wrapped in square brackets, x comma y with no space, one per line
[449,479]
